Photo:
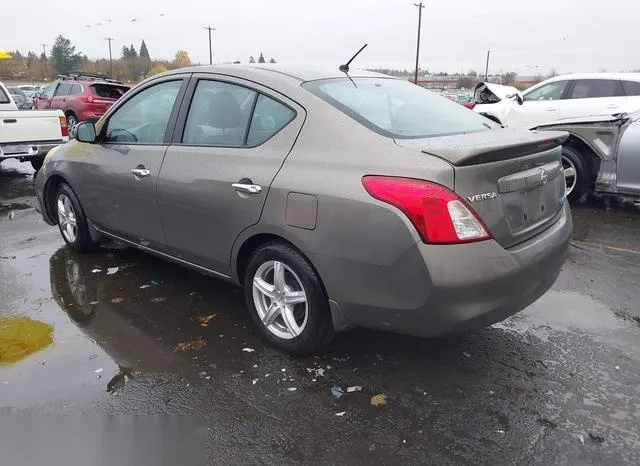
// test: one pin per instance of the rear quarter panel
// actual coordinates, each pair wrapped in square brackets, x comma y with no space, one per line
[356,239]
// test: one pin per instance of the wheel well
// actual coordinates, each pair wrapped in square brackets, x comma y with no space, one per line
[588,155]
[50,195]
[253,243]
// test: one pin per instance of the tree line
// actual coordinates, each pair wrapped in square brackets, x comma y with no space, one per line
[132,65]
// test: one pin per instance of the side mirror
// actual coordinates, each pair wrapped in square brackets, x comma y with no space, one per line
[85,132]
[519,99]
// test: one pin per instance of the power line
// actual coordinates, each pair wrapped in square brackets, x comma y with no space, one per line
[110,58]
[209,28]
[420,8]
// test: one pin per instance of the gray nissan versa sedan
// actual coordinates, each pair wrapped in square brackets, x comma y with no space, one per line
[336,200]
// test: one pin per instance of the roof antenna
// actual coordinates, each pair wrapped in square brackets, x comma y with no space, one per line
[345,68]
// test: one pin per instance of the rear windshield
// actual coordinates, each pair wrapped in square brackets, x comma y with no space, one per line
[397,108]
[108,91]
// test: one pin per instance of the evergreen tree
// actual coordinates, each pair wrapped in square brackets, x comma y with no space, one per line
[261,58]
[64,56]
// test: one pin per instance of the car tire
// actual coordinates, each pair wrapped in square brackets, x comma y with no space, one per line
[71,220]
[36,163]
[72,121]
[307,325]
[576,169]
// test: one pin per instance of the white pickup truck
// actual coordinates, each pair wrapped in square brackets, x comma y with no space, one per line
[28,135]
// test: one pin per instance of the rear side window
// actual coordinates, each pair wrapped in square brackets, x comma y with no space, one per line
[269,117]
[76,89]
[631,87]
[595,88]
[63,89]
[4,98]
[108,91]
[219,114]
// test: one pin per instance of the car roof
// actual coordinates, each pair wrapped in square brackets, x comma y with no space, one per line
[619,76]
[297,73]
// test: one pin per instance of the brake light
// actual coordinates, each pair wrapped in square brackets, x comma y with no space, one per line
[87,99]
[439,215]
[64,127]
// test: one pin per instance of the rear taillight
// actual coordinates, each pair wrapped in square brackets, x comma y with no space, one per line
[87,99]
[63,127]
[439,215]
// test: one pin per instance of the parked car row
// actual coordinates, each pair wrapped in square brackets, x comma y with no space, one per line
[579,104]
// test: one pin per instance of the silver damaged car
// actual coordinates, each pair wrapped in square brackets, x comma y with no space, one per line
[336,200]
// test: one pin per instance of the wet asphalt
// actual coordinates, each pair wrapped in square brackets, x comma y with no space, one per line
[558,383]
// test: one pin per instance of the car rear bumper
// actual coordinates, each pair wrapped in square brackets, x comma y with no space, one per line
[433,290]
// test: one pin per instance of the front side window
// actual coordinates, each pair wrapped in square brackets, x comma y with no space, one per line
[143,119]
[4,98]
[396,108]
[595,88]
[63,89]
[49,90]
[219,114]
[551,91]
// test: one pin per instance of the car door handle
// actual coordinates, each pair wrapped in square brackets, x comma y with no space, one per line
[552,109]
[247,188]
[613,106]
[141,172]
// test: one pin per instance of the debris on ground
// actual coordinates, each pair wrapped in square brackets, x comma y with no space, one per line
[191,345]
[581,438]
[337,391]
[500,431]
[254,381]
[596,437]
[158,300]
[355,388]
[544,422]
[379,400]
[92,356]
[96,271]
[145,286]
[154,282]
[291,389]
[117,300]
[248,350]
[341,413]
[283,370]
[112,270]
[204,320]
[93,303]
[466,355]
[320,372]
[97,371]
[7,257]
[617,368]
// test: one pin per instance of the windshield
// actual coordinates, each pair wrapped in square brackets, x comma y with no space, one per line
[397,108]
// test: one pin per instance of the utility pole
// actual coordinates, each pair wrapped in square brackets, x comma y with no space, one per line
[486,70]
[209,28]
[420,7]
[44,52]
[110,58]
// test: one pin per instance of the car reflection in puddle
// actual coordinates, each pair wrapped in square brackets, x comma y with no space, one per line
[140,310]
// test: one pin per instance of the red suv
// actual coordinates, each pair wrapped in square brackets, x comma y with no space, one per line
[81,96]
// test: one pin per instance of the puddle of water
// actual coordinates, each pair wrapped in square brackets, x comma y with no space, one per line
[21,337]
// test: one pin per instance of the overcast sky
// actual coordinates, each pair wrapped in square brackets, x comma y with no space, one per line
[529,37]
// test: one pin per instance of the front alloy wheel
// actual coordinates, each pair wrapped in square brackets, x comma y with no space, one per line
[67,218]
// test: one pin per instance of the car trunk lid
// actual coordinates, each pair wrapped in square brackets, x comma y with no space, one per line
[512,179]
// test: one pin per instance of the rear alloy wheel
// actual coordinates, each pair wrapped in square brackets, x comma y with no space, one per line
[71,220]
[286,300]
[72,121]
[576,174]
